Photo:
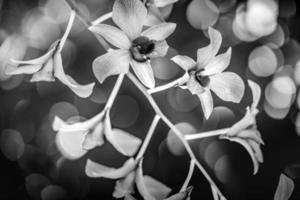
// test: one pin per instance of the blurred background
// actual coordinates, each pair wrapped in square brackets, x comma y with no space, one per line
[265,37]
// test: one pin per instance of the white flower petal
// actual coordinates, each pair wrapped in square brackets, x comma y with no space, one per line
[157,189]
[185,62]
[95,138]
[45,74]
[24,69]
[207,103]
[228,86]
[193,86]
[125,186]
[160,49]
[112,34]
[82,91]
[242,124]
[251,134]
[256,149]
[217,64]
[184,195]
[144,72]
[69,143]
[154,16]
[59,72]
[256,93]
[111,63]
[37,61]
[140,183]
[124,142]
[130,16]
[205,54]
[285,188]
[129,197]
[163,3]
[160,32]
[93,169]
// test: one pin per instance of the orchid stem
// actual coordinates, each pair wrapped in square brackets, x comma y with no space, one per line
[102,19]
[72,4]
[166,86]
[67,32]
[189,176]
[172,127]
[148,137]
[114,92]
[206,134]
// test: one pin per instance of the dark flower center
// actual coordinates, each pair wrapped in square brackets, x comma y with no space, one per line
[202,80]
[141,47]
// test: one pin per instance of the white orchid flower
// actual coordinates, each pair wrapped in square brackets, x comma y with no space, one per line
[245,131]
[130,174]
[75,139]
[135,48]
[49,66]
[207,74]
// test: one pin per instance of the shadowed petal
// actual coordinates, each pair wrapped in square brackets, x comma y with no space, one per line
[184,195]
[217,64]
[24,69]
[251,134]
[144,72]
[285,188]
[160,49]
[111,63]
[256,93]
[112,34]
[37,61]
[205,54]
[45,74]
[207,103]
[125,186]
[154,16]
[185,62]
[256,149]
[163,3]
[95,138]
[130,16]
[82,91]
[228,86]
[93,169]
[160,31]
[193,86]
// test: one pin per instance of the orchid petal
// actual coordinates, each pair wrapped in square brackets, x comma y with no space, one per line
[82,91]
[24,69]
[185,62]
[111,63]
[256,149]
[37,61]
[144,72]
[205,54]
[285,188]
[217,64]
[124,142]
[125,186]
[154,16]
[256,93]
[112,34]
[207,103]
[193,86]
[228,86]
[69,143]
[163,3]
[93,169]
[242,124]
[94,139]
[160,49]
[129,197]
[251,134]
[130,16]
[59,71]
[45,74]
[184,195]
[160,32]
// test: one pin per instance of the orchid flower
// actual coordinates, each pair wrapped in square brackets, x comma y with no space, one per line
[155,8]
[245,131]
[75,139]
[207,74]
[130,174]
[49,66]
[135,48]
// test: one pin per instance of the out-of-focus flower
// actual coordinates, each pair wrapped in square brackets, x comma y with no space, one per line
[74,140]
[245,131]
[207,74]
[134,46]
[130,174]
[50,66]
[154,10]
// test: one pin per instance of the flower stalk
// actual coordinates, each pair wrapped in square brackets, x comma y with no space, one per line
[101,19]
[189,176]
[169,85]
[206,134]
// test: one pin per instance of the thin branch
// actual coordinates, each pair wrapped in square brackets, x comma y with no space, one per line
[206,134]
[148,137]
[102,19]
[173,127]
[166,86]
[189,176]
[114,91]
